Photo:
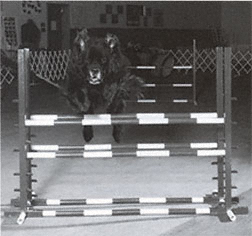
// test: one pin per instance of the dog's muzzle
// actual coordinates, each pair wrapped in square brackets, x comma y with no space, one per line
[95,76]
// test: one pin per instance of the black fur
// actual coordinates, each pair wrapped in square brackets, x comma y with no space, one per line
[98,78]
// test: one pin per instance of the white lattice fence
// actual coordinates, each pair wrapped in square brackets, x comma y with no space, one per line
[8,69]
[50,65]
[7,75]
[182,57]
[206,60]
[242,62]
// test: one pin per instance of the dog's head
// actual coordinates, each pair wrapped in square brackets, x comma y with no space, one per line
[99,56]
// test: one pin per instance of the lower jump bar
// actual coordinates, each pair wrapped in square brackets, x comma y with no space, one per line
[109,201]
[120,212]
[97,147]
[140,121]
[139,153]
[124,116]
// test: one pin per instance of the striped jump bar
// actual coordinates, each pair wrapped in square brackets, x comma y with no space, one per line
[168,85]
[137,119]
[119,212]
[125,115]
[118,154]
[180,100]
[155,67]
[182,67]
[163,101]
[143,67]
[96,147]
[182,85]
[115,201]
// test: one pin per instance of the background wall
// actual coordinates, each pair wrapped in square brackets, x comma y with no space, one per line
[236,18]
[21,13]
[176,15]
[167,23]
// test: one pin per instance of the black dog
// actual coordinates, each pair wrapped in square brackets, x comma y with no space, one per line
[98,77]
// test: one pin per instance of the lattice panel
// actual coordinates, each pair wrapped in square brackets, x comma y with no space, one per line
[8,69]
[206,60]
[7,75]
[242,62]
[51,65]
[182,58]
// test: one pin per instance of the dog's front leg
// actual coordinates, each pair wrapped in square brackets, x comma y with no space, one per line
[87,131]
[117,133]
[117,107]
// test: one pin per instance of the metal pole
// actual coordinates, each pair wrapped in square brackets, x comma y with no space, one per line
[228,126]
[27,80]
[219,81]
[220,112]
[194,73]
[22,75]
[24,134]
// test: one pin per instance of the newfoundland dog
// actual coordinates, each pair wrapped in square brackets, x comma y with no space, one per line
[99,77]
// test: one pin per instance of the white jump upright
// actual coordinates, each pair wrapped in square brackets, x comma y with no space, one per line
[220,202]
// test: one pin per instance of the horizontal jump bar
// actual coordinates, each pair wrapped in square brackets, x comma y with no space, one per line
[182,67]
[163,101]
[108,121]
[93,147]
[126,115]
[157,67]
[109,201]
[131,118]
[119,212]
[168,85]
[123,153]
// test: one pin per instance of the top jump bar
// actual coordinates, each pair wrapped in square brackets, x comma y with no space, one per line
[133,118]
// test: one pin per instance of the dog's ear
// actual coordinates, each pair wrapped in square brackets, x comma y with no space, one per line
[112,41]
[84,34]
[82,38]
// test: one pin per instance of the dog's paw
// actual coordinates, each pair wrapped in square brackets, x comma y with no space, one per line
[117,132]
[88,133]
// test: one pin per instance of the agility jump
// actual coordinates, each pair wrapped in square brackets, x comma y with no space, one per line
[221,202]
